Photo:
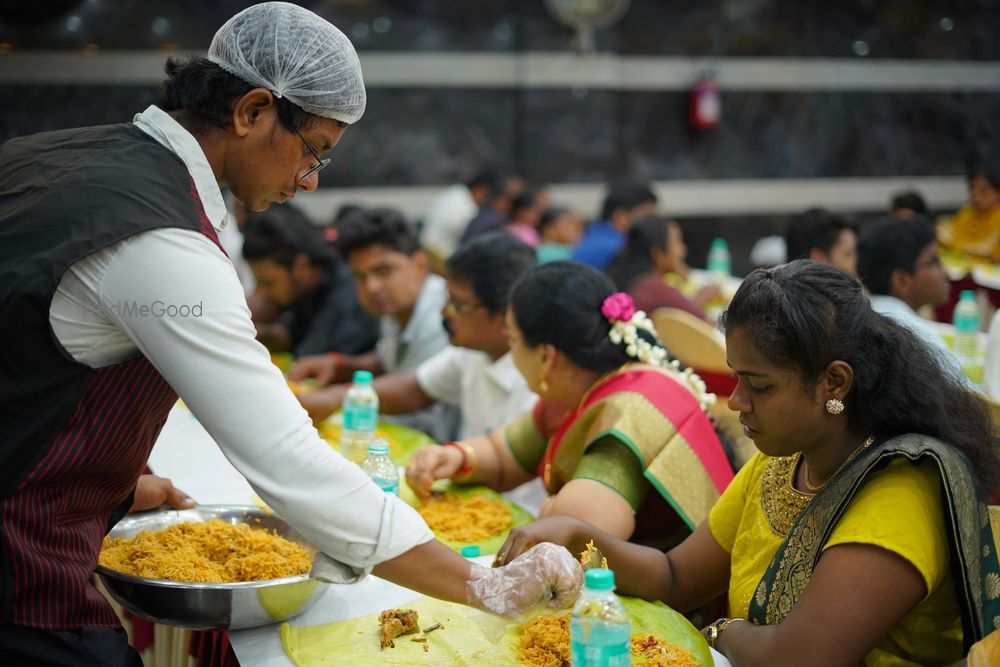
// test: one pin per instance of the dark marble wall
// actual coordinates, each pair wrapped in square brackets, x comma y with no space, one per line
[423,137]
[947,29]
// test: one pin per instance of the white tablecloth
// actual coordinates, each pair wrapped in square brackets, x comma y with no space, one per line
[186,454]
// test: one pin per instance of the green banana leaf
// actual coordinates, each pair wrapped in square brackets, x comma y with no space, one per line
[461,641]
[403,440]
[489,545]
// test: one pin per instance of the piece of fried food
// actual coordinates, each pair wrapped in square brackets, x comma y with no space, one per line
[396,622]
[592,557]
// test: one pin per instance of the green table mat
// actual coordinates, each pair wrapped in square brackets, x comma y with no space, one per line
[462,641]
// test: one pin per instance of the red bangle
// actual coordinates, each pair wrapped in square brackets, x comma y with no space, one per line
[467,466]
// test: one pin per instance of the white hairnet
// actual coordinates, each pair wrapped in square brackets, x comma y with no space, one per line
[296,55]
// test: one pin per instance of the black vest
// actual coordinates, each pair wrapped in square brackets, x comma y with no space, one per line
[63,196]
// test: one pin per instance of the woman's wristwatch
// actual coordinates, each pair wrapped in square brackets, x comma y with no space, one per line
[716,628]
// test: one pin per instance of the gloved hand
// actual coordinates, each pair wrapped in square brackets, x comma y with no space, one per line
[545,573]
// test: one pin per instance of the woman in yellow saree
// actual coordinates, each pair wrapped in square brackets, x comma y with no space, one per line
[620,436]
[858,533]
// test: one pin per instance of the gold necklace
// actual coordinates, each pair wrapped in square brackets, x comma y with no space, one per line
[807,481]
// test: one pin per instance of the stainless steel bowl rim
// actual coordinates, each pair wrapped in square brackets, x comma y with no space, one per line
[189,585]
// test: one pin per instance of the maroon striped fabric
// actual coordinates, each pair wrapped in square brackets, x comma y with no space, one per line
[55,521]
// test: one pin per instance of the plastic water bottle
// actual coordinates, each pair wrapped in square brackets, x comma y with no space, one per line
[380,468]
[719,263]
[600,630]
[360,418]
[966,321]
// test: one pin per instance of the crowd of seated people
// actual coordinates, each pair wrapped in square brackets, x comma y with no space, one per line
[554,376]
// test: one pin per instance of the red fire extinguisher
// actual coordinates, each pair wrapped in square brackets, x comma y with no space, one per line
[705,106]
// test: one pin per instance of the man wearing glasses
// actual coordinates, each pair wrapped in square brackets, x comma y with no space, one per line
[115,298]
[478,373]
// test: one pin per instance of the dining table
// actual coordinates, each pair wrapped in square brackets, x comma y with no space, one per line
[187,454]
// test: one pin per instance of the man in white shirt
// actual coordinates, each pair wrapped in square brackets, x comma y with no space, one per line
[115,298]
[393,281]
[899,264]
[477,374]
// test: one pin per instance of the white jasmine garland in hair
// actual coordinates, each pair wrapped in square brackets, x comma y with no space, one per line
[625,324]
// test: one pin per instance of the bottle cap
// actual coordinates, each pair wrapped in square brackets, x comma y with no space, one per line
[378,446]
[470,551]
[599,579]
[362,377]
[719,243]
[967,295]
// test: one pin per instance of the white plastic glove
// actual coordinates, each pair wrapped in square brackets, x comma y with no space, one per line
[546,573]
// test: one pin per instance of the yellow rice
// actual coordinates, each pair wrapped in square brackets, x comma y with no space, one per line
[214,551]
[471,519]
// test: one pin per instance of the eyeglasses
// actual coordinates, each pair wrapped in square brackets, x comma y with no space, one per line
[453,308]
[320,162]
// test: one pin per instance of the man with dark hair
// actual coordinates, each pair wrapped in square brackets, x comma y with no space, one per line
[477,374]
[450,212]
[623,205]
[823,237]
[899,264]
[496,211]
[907,204]
[393,282]
[116,298]
[301,274]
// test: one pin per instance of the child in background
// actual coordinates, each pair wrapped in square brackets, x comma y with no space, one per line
[560,229]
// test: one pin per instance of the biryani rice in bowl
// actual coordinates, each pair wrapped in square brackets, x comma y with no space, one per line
[237,554]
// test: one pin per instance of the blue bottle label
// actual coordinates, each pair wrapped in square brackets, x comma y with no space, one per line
[598,644]
[387,485]
[360,418]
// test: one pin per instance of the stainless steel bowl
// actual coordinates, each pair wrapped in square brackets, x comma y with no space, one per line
[206,606]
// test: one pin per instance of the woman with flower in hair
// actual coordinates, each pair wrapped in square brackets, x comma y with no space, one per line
[619,436]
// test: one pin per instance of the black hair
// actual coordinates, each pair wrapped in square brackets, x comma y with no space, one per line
[911,200]
[493,180]
[549,217]
[804,315]
[627,196]
[283,232]
[378,226]
[492,263]
[816,228]
[889,245]
[990,172]
[634,258]
[559,304]
[345,210]
[524,200]
[208,92]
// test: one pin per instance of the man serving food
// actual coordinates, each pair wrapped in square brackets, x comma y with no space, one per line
[116,297]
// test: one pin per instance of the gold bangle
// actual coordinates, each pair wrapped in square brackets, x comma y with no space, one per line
[715,630]
[469,460]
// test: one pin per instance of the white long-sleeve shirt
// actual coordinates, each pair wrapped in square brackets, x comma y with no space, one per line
[173,296]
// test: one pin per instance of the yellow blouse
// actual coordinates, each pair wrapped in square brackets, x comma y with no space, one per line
[899,510]
[974,232]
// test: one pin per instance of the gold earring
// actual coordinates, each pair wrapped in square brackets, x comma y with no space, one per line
[834,406]
[543,387]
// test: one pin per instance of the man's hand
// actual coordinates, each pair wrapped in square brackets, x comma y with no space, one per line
[152,491]
[322,367]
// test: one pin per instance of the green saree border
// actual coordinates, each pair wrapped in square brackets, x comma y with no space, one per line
[975,569]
